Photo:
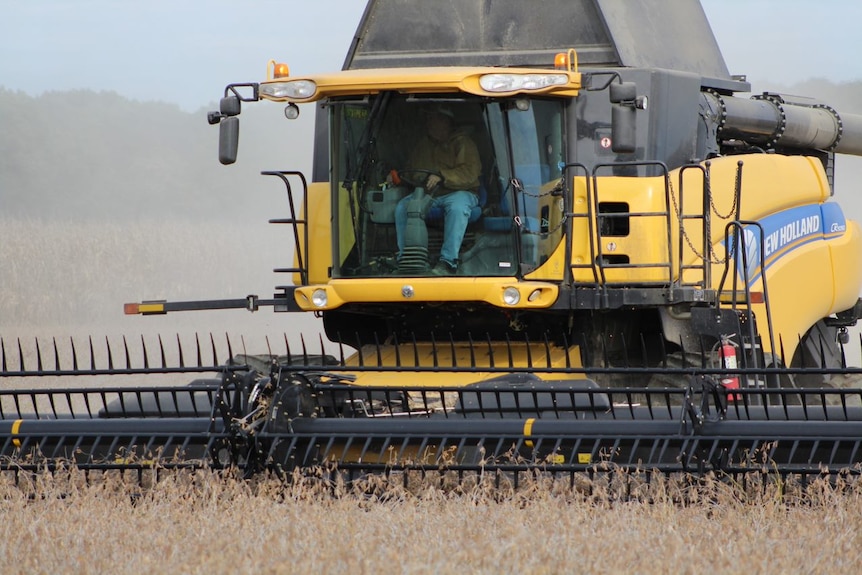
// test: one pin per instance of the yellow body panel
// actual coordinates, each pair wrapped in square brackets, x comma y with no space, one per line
[316,210]
[846,255]
[421,81]
[445,355]
[393,289]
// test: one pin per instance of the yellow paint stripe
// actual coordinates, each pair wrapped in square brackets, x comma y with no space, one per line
[151,308]
[16,427]
[528,431]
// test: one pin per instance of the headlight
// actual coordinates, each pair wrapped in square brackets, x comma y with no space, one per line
[511,296]
[514,82]
[296,89]
[319,298]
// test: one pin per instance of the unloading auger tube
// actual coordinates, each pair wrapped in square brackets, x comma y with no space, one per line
[291,412]
[777,120]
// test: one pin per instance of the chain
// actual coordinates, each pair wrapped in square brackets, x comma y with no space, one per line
[709,252]
[732,207]
[519,187]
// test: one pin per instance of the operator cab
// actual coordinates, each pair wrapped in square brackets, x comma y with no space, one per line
[517,223]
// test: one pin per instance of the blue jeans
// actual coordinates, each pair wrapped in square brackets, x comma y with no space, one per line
[456,207]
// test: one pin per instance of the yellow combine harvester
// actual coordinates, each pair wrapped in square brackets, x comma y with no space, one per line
[551,241]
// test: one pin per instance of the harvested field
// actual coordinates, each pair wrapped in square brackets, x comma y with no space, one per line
[203,523]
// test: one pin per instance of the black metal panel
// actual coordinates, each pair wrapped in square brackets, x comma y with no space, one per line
[395,33]
[643,34]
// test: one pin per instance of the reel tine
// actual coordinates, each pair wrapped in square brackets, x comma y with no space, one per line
[415,349]
[472,349]
[56,354]
[268,347]
[180,351]
[322,349]
[822,349]
[452,350]
[38,355]
[397,351]
[781,347]
[198,350]
[490,351]
[92,354]
[566,347]
[529,352]
[287,347]
[509,351]
[110,357]
[144,352]
[215,355]
[304,350]
[434,349]
[377,350]
[361,354]
[229,349]
[2,355]
[242,343]
[74,354]
[663,351]
[126,352]
[547,350]
[643,350]
[21,357]
[162,353]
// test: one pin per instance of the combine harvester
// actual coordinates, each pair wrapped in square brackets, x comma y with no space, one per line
[653,276]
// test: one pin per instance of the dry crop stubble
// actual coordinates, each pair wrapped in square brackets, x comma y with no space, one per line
[200,522]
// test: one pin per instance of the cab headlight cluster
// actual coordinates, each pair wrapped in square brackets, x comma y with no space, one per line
[295,89]
[515,82]
[319,298]
[511,296]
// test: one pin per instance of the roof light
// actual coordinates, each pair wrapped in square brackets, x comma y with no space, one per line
[566,60]
[295,90]
[561,61]
[280,70]
[515,82]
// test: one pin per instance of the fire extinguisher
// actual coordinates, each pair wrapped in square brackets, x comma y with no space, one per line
[728,361]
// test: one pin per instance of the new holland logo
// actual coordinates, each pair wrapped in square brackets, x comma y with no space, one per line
[748,254]
[781,233]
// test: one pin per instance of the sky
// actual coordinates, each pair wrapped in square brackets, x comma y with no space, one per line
[186,51]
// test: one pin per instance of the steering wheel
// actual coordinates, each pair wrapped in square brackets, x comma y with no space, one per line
[411,179]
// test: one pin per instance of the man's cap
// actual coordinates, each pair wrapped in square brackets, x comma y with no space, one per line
[440,110]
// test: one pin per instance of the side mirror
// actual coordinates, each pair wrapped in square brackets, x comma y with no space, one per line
[624,105]
[229,106]
[228,140]
[623,132]
[622,92]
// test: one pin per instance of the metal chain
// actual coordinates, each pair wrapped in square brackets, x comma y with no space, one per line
[708,256]
[732,207]
[519,187]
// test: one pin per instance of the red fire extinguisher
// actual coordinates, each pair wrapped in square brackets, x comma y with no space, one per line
[728,361]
